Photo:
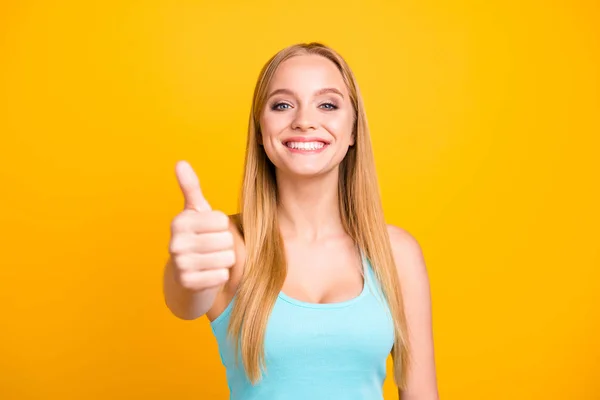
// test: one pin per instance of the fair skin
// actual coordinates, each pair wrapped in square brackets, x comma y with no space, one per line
[307,100]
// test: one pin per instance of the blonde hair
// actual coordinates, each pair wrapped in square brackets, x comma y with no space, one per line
[360,210]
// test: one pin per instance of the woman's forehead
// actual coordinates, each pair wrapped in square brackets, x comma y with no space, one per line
[307,74]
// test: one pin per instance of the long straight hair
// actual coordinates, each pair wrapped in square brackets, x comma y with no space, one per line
[361,213]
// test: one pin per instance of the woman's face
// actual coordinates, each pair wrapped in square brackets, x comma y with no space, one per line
[308,117]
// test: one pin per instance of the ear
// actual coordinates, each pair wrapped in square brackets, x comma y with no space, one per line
[352,140]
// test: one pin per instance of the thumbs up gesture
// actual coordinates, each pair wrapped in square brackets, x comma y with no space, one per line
[201,246]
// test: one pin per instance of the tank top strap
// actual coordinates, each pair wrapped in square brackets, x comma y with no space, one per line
[371,281]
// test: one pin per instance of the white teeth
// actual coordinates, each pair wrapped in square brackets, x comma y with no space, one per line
[305,145]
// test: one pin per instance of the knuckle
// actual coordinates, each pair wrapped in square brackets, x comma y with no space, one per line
[229,257]
[229,239]
[178,223]
[223,259]
[184,263]
[188,281]
[218,241]
[178,244]
[174,246]
[221,220]
[224,275]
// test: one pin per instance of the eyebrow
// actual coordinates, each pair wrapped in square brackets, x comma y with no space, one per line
[317,93]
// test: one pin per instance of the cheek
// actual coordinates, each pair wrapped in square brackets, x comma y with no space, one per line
[272,124]
[341,127]
[270,127]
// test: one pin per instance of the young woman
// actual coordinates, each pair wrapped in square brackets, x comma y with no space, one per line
[307,289]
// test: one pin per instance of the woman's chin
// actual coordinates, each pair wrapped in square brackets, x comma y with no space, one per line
[305,172]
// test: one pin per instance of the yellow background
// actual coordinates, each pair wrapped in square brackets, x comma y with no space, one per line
[485,122]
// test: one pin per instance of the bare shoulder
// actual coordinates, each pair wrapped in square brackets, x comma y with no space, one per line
[407,251]
[400,236]
[414,282]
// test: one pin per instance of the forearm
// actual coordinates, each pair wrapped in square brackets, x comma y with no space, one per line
[184,303]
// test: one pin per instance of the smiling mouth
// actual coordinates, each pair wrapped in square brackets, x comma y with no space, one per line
[305,146]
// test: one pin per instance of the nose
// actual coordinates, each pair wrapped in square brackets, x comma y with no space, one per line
[304,120]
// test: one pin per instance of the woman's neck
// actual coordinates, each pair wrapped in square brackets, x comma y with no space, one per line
[308,208]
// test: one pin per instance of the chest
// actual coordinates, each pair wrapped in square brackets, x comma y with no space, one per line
[323,273]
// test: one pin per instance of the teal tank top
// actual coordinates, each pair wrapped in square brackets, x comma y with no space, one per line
[317,351]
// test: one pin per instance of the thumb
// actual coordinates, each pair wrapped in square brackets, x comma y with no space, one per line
[190,187]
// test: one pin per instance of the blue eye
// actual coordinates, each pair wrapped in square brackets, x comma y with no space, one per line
[329,106]
[280,106]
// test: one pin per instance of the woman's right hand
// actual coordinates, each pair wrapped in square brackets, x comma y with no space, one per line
[201,245]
